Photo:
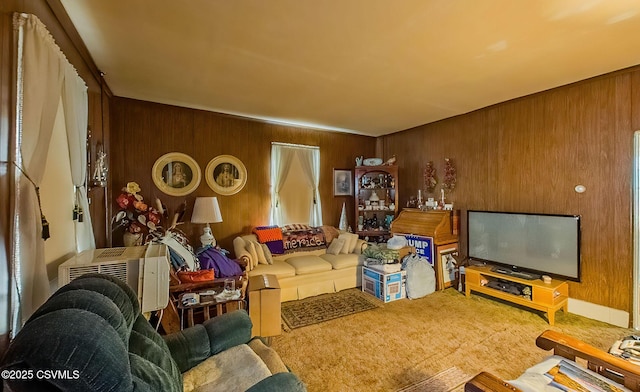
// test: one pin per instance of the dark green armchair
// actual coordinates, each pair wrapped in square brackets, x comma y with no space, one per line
[91,336]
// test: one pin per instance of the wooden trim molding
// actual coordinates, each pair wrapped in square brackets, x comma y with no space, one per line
[74,39]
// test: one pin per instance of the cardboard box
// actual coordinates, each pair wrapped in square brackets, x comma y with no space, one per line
[385,286]
[264,305]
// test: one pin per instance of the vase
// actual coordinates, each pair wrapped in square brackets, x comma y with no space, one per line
[131,239]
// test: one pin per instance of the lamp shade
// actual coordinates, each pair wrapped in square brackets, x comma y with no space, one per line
[206,210]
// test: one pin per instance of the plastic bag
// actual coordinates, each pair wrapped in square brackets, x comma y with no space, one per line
[421,278]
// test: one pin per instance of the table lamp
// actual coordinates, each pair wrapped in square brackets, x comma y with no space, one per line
[206,210]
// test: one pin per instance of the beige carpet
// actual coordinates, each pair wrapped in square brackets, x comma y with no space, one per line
[445,381]
[321,308]
[404,342]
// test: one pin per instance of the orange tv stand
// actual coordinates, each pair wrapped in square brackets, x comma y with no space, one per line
[548,298]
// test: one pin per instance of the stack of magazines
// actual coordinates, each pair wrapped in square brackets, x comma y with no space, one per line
[628,348]
[569,377]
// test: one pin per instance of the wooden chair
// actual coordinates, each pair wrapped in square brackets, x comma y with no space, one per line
[599,361]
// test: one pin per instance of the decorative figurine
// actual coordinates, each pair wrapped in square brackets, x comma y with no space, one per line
[101,170]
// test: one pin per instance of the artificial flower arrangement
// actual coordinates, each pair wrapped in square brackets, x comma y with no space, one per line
[139,218]
[430,179]
[136,216]
[449,182]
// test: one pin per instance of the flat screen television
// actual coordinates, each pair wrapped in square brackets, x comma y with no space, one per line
[525,244]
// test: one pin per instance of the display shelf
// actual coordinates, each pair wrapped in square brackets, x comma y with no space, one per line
[546,297]
[376,201]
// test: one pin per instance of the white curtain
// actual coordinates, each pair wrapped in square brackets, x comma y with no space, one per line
[75,105]
[310,162]
[42,70]
[281,158]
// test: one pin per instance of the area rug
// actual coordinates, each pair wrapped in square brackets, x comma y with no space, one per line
[313,310]
[444,381]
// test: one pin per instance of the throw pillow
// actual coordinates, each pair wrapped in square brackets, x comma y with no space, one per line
[347,242]
[353,243]
[251,248]
[351,239]
[336,246]
[267,253]
[260,252]
[330,233]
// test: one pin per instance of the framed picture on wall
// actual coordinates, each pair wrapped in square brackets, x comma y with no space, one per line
[226,175]
[446,270]
[342,182]
[176,174]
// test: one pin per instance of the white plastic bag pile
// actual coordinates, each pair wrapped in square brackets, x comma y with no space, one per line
[421,278]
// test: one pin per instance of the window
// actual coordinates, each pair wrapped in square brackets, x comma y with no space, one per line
[295,175]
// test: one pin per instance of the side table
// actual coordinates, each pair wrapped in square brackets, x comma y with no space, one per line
[206,305]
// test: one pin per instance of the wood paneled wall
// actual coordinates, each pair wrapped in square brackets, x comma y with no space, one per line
[99,104]
[141,132]
[528,154]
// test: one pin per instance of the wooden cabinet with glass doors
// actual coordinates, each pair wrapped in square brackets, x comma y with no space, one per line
[376,201]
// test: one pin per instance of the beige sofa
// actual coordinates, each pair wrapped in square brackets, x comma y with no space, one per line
[304,274]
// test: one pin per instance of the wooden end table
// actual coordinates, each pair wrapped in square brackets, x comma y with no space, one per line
[206,304]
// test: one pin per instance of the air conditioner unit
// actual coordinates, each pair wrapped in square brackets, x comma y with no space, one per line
[143,268]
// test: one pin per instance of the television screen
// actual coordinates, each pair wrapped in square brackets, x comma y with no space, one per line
[539,243]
